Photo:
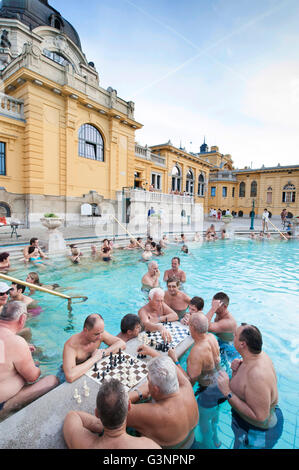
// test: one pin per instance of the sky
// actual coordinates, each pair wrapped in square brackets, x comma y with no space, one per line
[223,70]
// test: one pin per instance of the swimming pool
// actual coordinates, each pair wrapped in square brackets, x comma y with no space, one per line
[260,277]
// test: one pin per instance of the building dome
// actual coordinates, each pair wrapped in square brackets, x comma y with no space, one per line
[35,13]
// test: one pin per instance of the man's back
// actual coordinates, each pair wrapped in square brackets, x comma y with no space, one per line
[203,360]
[169,421]
[14,348]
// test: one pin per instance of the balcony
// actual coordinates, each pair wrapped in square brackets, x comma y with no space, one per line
[146,154]
[137,195]
[223,176]
[11,107]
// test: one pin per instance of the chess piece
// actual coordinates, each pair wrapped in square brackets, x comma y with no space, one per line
[76,395]
[79,400]
[86,392]
[95,369]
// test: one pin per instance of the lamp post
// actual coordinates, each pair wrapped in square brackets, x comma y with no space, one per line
[252,216]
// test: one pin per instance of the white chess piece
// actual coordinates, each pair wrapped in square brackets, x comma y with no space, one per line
[76,395]
[79,399]
[86,392]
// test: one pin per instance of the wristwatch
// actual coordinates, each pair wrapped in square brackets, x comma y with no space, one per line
[139,393]
[229,396]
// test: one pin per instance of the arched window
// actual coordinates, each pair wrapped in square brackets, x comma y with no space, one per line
[242,189]
[201,185]
[289,193]
[253,189]
[176,179]
[190,182]
[4,210]
[91,144]
[56,57]
[269,195]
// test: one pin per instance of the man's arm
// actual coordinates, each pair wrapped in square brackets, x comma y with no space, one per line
[192,368]
[79,430]
[150,326]
[168,313]
[256,405]
[73,371]
[165,278]
[24,363]
[183,277]
[113,342]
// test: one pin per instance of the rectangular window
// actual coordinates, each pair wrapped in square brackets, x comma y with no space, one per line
[224,191]
[2,158]
[269,197]
[213,191]
[156,181]
[233,192]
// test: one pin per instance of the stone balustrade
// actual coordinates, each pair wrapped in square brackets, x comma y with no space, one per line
[146,154]
[11,107]
[137,195]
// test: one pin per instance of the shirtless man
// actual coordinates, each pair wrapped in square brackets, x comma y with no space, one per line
[155,312]
[130,327]
[203,364]
[196,305]
[82,351]
[107,429]
[151,279]
[257,421]
[16,293]
[175,271]
[34,242]
[176,299]
[224,325]
[147,254]
[17,369]
[4,293]
[172,416]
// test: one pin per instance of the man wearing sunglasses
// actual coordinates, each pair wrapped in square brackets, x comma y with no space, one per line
[4,293]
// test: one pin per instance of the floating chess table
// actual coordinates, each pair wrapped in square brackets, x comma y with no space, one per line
[124,367]
[155,340]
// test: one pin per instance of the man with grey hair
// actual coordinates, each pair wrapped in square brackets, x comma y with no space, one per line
[170,418]
[155,312]
[18,373]
[107,429]
[203,365]
[151,279]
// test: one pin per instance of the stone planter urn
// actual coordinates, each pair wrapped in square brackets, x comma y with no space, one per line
[56,242]
[227,220]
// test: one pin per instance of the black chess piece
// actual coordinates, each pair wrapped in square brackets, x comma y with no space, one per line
[95,369]
[98,376]
[103,375]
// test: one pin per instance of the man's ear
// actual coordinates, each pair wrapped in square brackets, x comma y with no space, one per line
[22,320]
[96,413]
[129,405]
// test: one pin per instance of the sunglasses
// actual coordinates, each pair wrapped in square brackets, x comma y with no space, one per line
[5,293]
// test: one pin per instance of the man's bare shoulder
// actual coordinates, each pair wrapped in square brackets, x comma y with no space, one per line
[72,342]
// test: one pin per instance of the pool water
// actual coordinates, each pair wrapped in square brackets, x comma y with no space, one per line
[261,279]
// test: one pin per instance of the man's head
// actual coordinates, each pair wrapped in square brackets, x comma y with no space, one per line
[198,324]
[173,285]
[4,293]
[156,297]
[33,242]
[175,262]
[3,256]
[224,299]
[93,327]
[148,246]
[16,290]
[112,404]
[196,305]
[162,377]
[248,338]
[14,314]
[131,325]
[153,268]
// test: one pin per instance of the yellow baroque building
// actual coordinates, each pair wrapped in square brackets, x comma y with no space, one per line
[273,188]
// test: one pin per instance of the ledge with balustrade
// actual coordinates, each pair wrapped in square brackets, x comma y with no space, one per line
[146,154]
[11,107]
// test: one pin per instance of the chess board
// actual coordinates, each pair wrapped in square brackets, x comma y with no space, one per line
[130,372]
[154,338]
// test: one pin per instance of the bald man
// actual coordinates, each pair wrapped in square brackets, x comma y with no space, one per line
[151,279]
[82,351]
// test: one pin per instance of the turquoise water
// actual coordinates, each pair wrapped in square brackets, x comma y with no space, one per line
[261,279]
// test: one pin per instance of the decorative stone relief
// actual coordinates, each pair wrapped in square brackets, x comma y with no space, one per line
[131,109]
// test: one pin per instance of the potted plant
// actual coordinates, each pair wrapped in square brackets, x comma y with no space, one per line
[51,221]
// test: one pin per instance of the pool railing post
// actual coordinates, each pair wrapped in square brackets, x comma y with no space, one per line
[252,216]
